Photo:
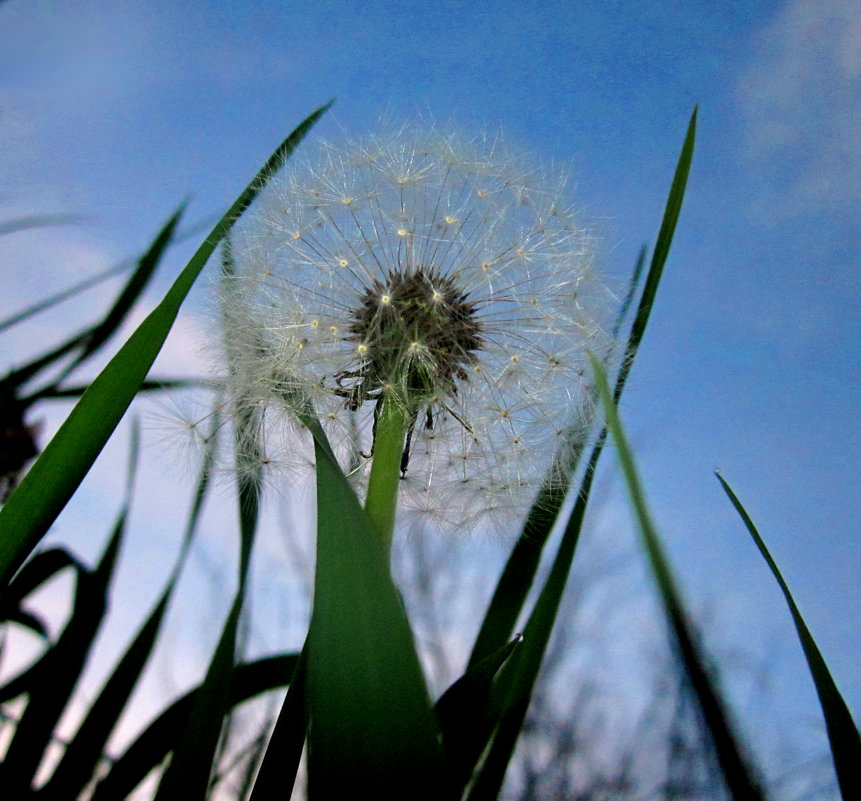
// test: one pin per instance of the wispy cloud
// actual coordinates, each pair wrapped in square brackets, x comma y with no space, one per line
[800,98]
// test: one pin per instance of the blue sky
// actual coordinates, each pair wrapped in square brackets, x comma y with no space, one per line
[119,111]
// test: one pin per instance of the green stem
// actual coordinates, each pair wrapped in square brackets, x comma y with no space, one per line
[382,496]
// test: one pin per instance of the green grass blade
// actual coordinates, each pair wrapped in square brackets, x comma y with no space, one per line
[519,573]
[91,339]
[188,774]
[738,775]
[55,676]
[843,735]
[159,738]
[372,730]
[465,713]
[95,280]
[55,476]
[83,753]
[277,774]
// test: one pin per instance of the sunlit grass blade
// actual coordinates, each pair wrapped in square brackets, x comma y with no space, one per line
[520,570]
[154,743]
[843,734]
[90,340]
[277,774]
[372,730]
[738,775]
[55,476]
[84,751]
[55,676]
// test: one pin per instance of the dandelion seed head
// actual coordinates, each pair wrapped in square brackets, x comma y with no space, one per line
[443,274]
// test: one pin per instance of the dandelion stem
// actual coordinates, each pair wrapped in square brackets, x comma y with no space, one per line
[382,495]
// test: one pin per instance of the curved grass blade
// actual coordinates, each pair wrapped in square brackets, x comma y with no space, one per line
[91,339]
[372,730]
[151,747]
[39,221]
[738,775]
[843,735]
[83,753]
[520,570]
[95,280]
[33,574]
[57,673]
[55,476]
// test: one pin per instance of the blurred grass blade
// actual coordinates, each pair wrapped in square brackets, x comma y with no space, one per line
[83,753]
[739,778]
[33,574]
[57,673]
[90,340]
[95,280]
[55,476]
[519,573]
[843,735]
[188,774]
[40,221]
[150,385]
[372,730]
[151,747]
[277,774]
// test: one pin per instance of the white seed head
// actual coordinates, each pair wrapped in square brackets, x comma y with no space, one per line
[443,274]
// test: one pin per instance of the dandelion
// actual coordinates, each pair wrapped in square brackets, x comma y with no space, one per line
[430,298]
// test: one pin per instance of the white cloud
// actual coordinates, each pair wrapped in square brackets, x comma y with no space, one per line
[801,102]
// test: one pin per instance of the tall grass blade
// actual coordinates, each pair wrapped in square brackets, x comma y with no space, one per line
[55,476]
[520,570]
[466,716]
[83,753]
[188,774]
[90,340]
[372,730]
[94,280]
[159,738]
[277,774]
[739,777]
[515,686]
[57,673]
[843,735]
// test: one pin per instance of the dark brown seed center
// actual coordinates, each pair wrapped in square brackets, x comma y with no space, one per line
[416,333]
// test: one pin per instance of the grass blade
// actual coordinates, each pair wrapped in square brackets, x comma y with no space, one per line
[151,747]
[188,774]
[277,774]
[55,676]
[83,753]
[843,735]
[739,778]
[372,729]
[93,280]
[520,570]
[91,339]
[55,476]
